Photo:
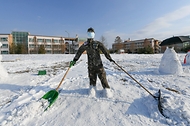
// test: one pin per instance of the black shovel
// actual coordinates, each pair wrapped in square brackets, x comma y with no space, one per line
[155,97]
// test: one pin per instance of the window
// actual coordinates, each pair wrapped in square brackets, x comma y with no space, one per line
[61,41]
[31,46]
[56,41]
[39,40]
[185,44]
[48,51]
[4,39]
[31,39]
[48,40]
[20,37]
[4,46]
[48,46]
[4,52]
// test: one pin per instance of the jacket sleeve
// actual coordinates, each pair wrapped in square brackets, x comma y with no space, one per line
[81,49]
[105,51]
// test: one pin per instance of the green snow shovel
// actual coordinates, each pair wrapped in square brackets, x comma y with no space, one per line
[52,95]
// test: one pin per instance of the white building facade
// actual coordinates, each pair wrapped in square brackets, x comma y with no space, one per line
[51,44]
[4,40]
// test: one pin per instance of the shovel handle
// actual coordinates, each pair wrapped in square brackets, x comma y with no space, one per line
[135,80]
[62,79]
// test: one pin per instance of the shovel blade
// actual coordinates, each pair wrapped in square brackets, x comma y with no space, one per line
[160,106]
[51,96]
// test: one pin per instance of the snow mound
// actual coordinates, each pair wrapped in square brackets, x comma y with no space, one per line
[170,63]
[107,93]
[3,72]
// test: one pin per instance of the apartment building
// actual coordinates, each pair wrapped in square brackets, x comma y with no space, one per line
[51,44]
[132,46]
[4,40]
[31,44]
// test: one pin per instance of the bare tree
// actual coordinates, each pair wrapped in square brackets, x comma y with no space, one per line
[103,40]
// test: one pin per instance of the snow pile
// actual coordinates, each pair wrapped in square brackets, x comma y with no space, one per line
[170,63]
[3,72]
[176,110]
[92,91]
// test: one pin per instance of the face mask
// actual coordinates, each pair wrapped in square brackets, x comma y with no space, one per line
[91,34]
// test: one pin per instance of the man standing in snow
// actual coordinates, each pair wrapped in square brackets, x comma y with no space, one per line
[95,66]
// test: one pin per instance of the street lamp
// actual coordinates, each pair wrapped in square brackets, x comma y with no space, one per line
[69,40]
[68,34]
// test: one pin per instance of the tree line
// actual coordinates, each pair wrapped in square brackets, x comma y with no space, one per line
[22,48]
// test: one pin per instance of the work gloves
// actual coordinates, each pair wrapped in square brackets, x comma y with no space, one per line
[111,60]
[72,63]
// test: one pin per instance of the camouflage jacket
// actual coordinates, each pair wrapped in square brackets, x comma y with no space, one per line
[93,49]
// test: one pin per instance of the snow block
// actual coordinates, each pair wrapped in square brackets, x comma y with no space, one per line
[170,63]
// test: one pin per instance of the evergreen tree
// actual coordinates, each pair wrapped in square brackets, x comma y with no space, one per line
[145,50]
[118,40]
[186,49]
[41,50]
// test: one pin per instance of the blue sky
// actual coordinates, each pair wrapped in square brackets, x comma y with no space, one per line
[134,19]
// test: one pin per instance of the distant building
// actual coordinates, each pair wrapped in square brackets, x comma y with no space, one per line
[31,44]
[177,47]
[117,46]
[80,42]
[51,44]
[4,39]
[132,46]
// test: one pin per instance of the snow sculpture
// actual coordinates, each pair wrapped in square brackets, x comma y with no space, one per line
[170,63]
[187,58]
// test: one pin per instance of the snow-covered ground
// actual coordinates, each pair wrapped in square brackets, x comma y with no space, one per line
[131,105]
